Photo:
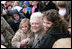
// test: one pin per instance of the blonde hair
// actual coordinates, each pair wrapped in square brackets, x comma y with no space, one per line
[24,21]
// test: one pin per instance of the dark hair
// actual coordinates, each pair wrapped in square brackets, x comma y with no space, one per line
[53,16]
[16,14]
[15,11]
[8,6]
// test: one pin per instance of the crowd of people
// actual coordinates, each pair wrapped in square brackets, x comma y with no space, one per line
[36,24]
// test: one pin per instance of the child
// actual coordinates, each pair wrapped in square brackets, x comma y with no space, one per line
[20,39]
[16,20]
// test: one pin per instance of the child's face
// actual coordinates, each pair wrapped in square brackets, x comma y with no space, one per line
[47,24]
[25,28]
[16,16]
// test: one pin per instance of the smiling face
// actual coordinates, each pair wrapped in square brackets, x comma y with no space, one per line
[46,24]
[25,28]
[24,25]
[36,22]
[36,25]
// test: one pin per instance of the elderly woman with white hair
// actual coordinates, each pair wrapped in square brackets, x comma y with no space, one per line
[36,27]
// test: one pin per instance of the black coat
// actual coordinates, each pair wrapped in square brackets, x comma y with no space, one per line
[50,5]
[27,15]
[48,40]
[14,25]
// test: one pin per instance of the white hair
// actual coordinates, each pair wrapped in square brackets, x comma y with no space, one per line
[36,15]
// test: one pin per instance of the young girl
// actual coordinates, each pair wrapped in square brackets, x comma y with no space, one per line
[16,19]
[55,28]
[20,39]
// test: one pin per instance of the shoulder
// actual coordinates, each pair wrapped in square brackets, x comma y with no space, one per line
[62,43]
[17,35]
[19,31]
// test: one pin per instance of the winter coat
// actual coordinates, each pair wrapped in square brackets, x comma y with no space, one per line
[15,24]
[50,5]
[18,37]
[62,43]
[35,41]
[52,35]
[6,29]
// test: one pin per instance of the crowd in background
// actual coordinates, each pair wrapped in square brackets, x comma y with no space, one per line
[34,24]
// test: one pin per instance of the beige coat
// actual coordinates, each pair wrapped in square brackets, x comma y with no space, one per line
[62,43]
[18,37]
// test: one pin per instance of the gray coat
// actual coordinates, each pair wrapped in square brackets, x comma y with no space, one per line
[36,41]
[6,29]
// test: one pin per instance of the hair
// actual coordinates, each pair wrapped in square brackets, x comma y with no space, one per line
[35,15]
[53,16]
[8,6]
[24,21]
[62,4]
[16,3]
[14,14]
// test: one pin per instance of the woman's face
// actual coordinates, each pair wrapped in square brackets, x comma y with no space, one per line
[47,24]
[25,28]
[36,25]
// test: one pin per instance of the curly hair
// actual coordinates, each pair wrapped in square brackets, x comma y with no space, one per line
[53,16]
